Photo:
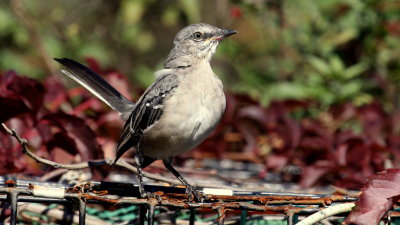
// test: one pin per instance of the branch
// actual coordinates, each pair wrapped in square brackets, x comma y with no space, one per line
[82,165]
[102,162]
[55,173]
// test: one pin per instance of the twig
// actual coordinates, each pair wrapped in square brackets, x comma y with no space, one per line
[25,150]
[52,174]
[333,210]
[90,163]
[82,165]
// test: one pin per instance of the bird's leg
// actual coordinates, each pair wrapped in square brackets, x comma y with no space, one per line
[141,162]
[190,190]
[138,162]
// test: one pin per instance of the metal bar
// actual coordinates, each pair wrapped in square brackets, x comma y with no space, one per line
[142,214]
[192,217]
[13,198]
[243,217]
[150,215]
[68,216]
[295,218]
[24,198]
[4,205]
[394,220]
[82,211]
[221,215]
[241,205]
[292,218]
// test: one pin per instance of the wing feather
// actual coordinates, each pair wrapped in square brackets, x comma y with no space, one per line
[147,112]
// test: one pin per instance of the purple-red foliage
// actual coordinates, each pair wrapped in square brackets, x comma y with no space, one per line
[62,125]
[339,147]
[378,196]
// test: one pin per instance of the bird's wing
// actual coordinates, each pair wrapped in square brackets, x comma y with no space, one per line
[147,111]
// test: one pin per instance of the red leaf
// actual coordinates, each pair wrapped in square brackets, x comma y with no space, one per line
[56,93]
[76,129]
[19,95]
[343,112]
[276,162]
[314,172]
[377,197]
[11,108]
[253,112]
[11,157]
[373,118]
[315,136]
[119,82]
[27,89]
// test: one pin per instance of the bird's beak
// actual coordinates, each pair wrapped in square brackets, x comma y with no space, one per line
[223,34]
[227,33]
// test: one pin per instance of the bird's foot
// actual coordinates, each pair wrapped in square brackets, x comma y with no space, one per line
[151,195]
[194,194]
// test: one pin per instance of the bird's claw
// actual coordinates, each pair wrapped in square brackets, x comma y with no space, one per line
[194,194]
[151,195]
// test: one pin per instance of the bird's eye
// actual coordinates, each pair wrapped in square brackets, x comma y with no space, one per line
[198,36]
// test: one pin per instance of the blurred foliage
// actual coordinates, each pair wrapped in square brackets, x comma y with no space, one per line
[329,51]
[326,74]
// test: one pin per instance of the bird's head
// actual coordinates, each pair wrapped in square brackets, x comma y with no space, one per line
[198,41]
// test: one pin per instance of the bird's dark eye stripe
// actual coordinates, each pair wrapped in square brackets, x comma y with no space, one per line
[207,35]
[201,36]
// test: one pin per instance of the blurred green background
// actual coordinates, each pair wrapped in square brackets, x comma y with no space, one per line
[329,51]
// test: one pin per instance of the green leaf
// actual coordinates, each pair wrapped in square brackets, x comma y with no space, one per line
[336,65]
[349,89]
[285,90]
[344,36]
[363,99]
[319,65]
[355,70]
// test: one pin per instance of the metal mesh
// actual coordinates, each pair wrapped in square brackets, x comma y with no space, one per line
[118,203]
[114,203]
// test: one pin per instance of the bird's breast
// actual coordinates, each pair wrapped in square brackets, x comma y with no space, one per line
[189,117]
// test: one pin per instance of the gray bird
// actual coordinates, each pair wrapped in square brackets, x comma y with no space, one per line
[177,112]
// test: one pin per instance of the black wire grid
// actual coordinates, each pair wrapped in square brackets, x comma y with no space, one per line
[243,204]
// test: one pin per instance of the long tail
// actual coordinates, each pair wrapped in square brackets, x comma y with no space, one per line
[97,86]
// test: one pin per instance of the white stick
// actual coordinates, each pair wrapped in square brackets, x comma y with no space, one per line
[330,211]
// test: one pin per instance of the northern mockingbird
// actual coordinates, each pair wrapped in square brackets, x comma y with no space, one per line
[177,112]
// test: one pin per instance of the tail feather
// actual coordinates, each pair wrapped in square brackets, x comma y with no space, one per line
[96,85]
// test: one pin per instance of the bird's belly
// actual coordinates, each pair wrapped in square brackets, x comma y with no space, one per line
[185,125]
